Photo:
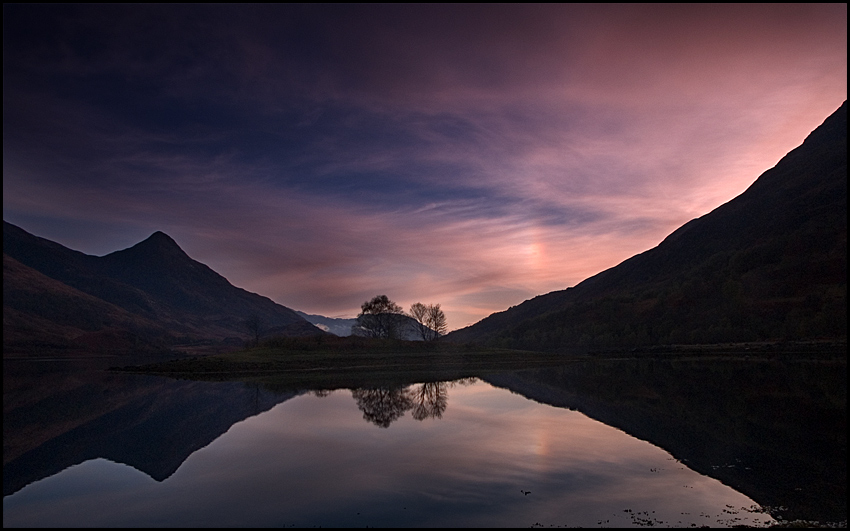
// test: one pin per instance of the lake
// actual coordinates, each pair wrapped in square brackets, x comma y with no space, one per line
[612,443]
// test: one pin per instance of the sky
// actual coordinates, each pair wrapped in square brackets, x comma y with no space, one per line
[471,156]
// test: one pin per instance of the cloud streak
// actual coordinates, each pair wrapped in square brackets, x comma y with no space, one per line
[472,156]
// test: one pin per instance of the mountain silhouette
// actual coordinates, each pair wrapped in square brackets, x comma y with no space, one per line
[149,296]
[771,264]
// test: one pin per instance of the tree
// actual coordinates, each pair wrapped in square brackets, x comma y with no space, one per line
[255,327]
[419,312]
[430,320]
[437,320]
[380,317]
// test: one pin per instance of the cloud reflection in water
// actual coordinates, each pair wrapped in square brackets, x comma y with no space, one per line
[467,461]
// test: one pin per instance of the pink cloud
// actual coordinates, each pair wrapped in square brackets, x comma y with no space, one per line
[571,137]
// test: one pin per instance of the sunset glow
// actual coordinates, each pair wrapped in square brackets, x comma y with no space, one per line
[471,156]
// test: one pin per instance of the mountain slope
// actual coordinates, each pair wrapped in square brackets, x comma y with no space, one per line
[769,264]
[187,288]
[42,312]
[334,325]
[150,294]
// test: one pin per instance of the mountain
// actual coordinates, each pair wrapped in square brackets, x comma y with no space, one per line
[771,264]
[334,325]
[150,296]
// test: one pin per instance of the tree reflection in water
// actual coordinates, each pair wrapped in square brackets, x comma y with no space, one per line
[430,400]
[383,405]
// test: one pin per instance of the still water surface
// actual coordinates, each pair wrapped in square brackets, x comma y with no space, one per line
[462,453]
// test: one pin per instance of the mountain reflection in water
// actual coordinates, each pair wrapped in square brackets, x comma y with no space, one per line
[230,453]
[774,430]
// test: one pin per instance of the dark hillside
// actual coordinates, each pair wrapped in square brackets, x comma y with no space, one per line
[151,295]
[770,264]
[41,312]
[160,268]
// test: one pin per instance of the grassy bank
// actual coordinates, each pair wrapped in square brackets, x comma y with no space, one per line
[332,362]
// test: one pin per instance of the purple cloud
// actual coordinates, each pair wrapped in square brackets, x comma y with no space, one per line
[471,156]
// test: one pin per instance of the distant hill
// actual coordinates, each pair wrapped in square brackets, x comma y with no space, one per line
[342,327]
[148,297]
[333,325]
[771,264]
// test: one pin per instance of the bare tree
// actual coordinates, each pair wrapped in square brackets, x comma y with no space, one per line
[255,327]
[419,312]
[380,317]
[437,320]
[430,320]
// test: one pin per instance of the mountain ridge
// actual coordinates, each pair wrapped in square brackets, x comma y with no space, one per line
[734,274]
[151,295]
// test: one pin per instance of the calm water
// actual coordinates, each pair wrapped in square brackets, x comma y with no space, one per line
[464,453]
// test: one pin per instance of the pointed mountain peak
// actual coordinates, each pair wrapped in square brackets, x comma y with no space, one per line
[161,238]
[157,246]
[159,242]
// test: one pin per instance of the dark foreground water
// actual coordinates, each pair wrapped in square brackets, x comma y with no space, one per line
[92,448]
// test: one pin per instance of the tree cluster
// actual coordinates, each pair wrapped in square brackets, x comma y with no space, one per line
[430,320]
[383,318]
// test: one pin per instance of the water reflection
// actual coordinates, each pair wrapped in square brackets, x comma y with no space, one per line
[383,405]
[775,430]
[56,416]
[494,459]
[241,454]
[430,400]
